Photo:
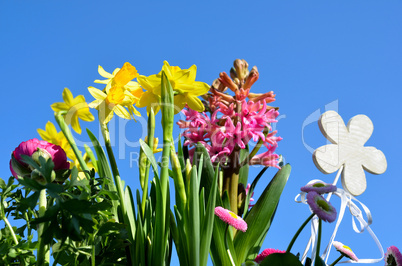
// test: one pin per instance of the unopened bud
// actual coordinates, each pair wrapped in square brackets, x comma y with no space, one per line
[41,153]
[241,67]
[251,78]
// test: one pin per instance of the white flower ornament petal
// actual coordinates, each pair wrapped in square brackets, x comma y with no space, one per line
[348,150]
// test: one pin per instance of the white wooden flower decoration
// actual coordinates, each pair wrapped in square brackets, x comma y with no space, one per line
[348,150]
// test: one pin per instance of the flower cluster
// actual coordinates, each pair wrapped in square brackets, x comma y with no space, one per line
[122,92]
[234,120]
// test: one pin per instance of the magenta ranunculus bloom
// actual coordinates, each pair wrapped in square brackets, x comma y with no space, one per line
[37,147]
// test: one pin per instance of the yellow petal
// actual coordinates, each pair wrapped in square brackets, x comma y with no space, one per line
[68,97]
[97,94]
[59,107]
[95,104]
[86,115]
[195,103]
[103,73]
[75,124]
[121,111]
[104,81]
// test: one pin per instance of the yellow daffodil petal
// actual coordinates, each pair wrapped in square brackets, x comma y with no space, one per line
[103,73]
[122,112]
[68,97]
[194,103]
[57,107]
[86,115]
[97,94]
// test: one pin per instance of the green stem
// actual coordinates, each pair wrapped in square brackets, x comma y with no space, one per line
[119,187]
[67,133]
[298,232]
[151,135]
[4,218]
[93,259]
[113,165]
[43,251]
[255,150]
[317,252]
[337,260]
[178,181]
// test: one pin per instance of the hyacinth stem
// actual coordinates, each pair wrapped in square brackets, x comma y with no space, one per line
[67,133]
[252,153]
[145,178]
[298,232]
[317,252]
[337,260]
[43,251]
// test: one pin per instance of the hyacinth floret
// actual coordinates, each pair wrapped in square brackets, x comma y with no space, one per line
[233,120]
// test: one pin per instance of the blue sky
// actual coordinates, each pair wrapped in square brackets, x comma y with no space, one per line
[315,55]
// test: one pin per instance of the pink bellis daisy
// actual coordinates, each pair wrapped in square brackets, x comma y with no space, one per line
[322,208]
[231,218]
[265,254]
[319,187]
[393,257]
[345,250]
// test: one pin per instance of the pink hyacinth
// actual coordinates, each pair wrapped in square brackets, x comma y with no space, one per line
[44,149]
[265,254]
[231,218]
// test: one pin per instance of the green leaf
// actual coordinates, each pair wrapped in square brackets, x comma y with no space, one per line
[2,184]
[150,155]
[193,236]
[102,162]
[208,222]
[130,211]
[243,172]
[280,259]
[260,216]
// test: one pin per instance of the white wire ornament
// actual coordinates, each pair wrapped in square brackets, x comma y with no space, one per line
[349,156]
[348,150]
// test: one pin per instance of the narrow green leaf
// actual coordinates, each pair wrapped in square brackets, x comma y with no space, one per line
[194,220]
[259,217]
[150,155]
[102,162]
[130,212]
[208,220]
[243,172]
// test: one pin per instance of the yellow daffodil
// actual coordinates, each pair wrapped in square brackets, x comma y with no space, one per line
[120,77]
[51,135]
[75,107]
[156,141]
[120,91]
[185,88]
[112,102]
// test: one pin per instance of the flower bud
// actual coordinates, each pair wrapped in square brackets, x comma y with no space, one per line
[35,149]
[40,153]
[241,67]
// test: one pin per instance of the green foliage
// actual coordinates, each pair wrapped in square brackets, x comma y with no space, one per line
[280,259]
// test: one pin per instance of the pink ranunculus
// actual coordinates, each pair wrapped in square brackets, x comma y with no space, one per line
[44,148]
